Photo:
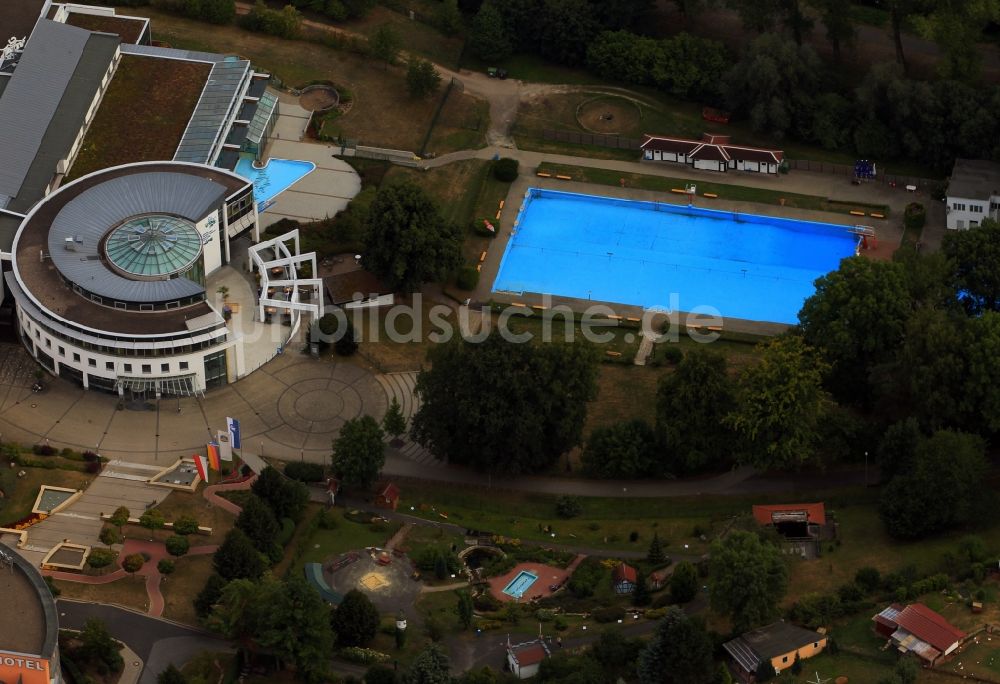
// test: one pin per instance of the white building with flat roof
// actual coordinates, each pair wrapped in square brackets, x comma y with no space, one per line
[973,193]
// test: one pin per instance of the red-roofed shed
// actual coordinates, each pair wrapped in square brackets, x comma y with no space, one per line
[919,630]
[624,578]
[388,497]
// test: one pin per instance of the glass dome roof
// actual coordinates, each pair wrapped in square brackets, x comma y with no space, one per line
[153,246]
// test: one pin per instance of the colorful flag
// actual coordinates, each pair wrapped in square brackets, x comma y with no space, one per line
[234,432]
[213,456]
[199,463]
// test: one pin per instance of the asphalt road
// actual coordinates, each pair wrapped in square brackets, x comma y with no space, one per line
[156,641]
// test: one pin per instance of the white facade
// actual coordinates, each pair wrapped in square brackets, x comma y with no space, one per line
[964,212]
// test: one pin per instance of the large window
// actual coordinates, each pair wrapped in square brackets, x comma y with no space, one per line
[215,370]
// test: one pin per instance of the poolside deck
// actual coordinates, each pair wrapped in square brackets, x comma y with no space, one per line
[548,576]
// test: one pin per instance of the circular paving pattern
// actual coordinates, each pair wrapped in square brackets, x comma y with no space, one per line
[319,405]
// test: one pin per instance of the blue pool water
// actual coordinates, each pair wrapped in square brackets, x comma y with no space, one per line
[520,584]
[273,179]
[746,266]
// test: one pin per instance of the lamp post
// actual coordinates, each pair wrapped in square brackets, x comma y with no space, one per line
[866,469]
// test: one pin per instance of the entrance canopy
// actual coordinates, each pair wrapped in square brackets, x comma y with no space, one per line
[178,385]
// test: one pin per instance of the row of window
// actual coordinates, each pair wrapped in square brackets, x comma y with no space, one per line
[973,208]
[110,365]
[116,351]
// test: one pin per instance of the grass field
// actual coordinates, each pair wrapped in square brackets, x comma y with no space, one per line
[347,536]
[129,592]
[382,114]
[20,492]
[736,193]
[417,37]
[195,505]
[180,589]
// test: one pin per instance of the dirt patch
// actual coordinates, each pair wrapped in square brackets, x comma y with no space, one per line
[611,115]
[319,99]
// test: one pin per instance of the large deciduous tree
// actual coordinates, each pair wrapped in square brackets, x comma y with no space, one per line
[781,403]
[624,450]
[407,241]
[237,558]
[257,521]
[975,261]
[287,498]
[489,39]
[355,620]
[691,404]
[747,579]
[429,667]
[504,407]
[857,318]
[358,452]
[680,652]
[942,488]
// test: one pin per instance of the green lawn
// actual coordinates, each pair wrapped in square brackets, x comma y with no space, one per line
[20,492]
[736,193]
[347,536]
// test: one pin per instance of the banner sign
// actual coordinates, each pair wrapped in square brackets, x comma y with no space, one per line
[21,669]
[225,449]
[234,432]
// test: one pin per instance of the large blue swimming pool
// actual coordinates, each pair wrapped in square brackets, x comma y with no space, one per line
[276,177]
[520,584]
[746,266]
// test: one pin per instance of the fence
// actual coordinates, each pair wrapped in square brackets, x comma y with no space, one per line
[452,85]
[597,139]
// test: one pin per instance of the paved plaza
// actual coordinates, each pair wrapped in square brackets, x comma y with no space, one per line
[292,408]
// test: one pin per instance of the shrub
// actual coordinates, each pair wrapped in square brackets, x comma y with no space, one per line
[609,614]
[327,519]
[868,578]
[505,170]
[914,216]
[480,229]
[285,535]
[467,279]
[486,602]
[365,656]
[92,467]
[435,630]
[568,506]
[583,582]
[543,615]
[100,558]
[305,472]
[43,450]
[90,456]
[185,525]
[667,353]
[560,624]
[850,592]
[177,545]
[165,566]
[633,536]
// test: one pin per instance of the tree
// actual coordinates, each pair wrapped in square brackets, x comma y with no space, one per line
[899,12]
[957,27]
[568,27]
[100,558]
[640,594]
[355,620]
[120,518]
[177,545]
[185,525]
[624,450]
[394,422]
[165,566]
[218,11]
[407,242]
[464,608]
[110,536]
[684,582]
[422,78]
[781,405]
[941,490]
[655,555]
[896,450]
[384,44]
[237,558]
[975,257]
[380,674]
[257,521]
[691,66]
[837,20]
[245,612]
[133,563]
[286,497]
[448,18]
[152,520]
[300,633]
[857,318]
[680,652]
[489,39]
[691,404]
[97,646]
[171,675]
[359,453]
[544,393]
[747,579]
[429,667]
[209,595]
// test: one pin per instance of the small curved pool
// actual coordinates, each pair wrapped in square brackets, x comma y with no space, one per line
[277,176]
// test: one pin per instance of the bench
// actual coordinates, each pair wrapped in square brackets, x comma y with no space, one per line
[564,177]
[679,191]
[543,174]
[855,212]
[710,194]
[877,215]
[314,575]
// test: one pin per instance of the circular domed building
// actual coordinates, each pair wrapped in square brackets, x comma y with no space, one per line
[110,273]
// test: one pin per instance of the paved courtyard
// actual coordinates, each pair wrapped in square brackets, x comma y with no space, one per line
[292,408]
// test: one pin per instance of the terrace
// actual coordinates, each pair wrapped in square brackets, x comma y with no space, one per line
[144,114]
